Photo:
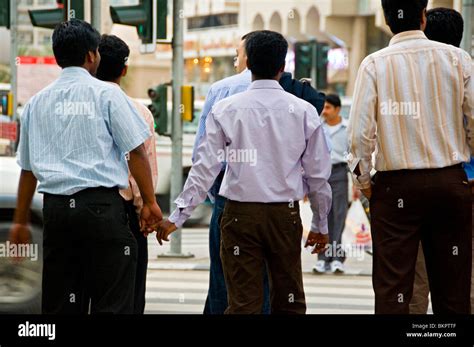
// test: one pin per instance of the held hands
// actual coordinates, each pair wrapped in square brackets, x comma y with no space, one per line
[318,240]
[165,228]
[150,217]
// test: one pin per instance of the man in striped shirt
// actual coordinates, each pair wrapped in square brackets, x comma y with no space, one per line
[76,136]
[414,106]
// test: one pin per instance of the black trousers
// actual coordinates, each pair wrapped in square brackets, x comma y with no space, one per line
[142,259]
[90,253]
[433,206]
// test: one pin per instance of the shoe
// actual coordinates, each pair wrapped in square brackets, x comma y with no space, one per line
[320,267]
[337,267]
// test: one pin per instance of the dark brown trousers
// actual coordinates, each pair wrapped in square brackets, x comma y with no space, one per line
[433,206]
[255,235]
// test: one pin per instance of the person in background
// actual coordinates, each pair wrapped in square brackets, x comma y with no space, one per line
[261,222]
[413,107]
[447,26]
[75,137]
[113,67]
[336,127]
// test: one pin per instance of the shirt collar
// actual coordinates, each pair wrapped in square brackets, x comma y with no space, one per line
[344,122]
[265,84]
[408,35]
[75,70]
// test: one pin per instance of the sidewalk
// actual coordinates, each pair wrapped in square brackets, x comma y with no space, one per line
[196,242]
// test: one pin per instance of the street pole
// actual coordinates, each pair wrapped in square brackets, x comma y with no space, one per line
[13,54]
[314,62]
[96,14]
[468,15]
[177,125]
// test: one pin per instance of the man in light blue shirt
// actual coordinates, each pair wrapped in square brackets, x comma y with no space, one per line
[76,137]
[216,301]
[336,127]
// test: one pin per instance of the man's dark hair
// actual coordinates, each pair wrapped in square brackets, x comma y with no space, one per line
[72,40]
[114,54]
[266,53]
[334,100]
[246,36]
[403,15]
[445,25]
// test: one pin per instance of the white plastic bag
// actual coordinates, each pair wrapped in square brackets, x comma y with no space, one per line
[357,230]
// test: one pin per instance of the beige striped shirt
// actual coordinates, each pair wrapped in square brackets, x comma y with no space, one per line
[413,107]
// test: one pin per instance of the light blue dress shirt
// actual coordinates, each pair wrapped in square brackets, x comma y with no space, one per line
[339,141]
[76,132]
[219,91]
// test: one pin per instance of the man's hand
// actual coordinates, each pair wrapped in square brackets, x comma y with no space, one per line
[165,228]
[318,240]
[20,234]
[367,192]
[356,193]
[150,217]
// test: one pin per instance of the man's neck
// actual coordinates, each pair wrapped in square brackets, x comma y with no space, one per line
[335,121]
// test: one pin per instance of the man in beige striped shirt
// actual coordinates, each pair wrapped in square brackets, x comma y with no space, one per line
[414,107]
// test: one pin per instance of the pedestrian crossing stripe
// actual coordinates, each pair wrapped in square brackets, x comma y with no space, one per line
[184,292]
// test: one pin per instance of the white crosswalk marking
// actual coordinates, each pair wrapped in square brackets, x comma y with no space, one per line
[185,292]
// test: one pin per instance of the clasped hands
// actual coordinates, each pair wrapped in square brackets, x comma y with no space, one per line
[151,220]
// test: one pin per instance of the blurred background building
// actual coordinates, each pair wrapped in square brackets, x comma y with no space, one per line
[353,28]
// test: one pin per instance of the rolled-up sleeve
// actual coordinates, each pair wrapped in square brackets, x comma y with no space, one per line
[129,129]
[23,154]
[203,173]
[317,168]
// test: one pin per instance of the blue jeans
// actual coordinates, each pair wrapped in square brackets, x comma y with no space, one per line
[216,301]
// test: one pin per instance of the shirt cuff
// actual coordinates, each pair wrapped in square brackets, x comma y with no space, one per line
[178,218]
[320,226]
[362,181]
[23,164]
[138,140]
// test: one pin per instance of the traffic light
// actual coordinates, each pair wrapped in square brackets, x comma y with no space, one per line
[187,102]
[159,108]
[5,14]
[6,104]
[322,65]
[149,17]
[304,52]
[49,18]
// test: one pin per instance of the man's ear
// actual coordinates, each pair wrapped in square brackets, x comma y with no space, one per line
[424,20]
[91,57]
[124,71]
[282,69]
